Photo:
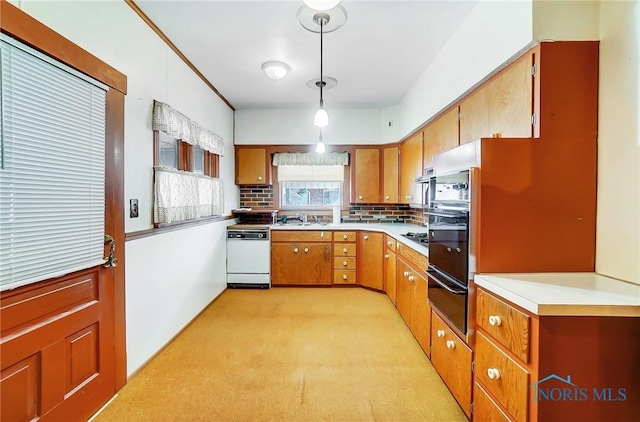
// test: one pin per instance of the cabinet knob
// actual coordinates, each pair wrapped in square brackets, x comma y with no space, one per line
[321,235]
[295,250]
[387,197]
[389,243]
[344,236]
[406,273]
[306,250]
[344,250]
[440,333]
[360,197]
[493,373]
[495,320]
[259,177]
[448,249]
[365,237]
[411,278]
[344,277]
[451,344]
[458,250]
[345,263]
[386,256]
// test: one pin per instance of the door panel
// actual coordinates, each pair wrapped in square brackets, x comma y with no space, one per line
[19,386]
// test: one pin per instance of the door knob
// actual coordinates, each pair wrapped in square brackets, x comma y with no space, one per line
[495,320]
[493,373]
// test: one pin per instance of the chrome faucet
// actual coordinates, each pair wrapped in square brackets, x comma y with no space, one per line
[303,218]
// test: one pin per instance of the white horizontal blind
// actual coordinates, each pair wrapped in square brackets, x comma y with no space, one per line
[52,173]
[298,173]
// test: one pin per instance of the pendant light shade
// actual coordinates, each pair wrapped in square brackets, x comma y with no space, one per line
[321,4]
[321,118]
[320,145]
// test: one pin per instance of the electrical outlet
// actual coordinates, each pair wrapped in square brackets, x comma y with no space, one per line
[133,208]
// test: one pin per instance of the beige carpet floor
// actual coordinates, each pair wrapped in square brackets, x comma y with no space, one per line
[290,354]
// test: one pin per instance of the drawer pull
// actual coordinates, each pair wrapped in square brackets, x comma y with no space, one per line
[440,333]
[344,236]
[411,278]
[295,250]
[451,344]
[344,277]
[321,235]
[493,373]
[345,263]
[344,250]
[495,320]
[306,250]
[406,273]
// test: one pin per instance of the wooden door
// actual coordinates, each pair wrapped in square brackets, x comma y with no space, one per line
[285,264]
[440,136]
[410,168]
[390,275]
[301,263]
[403,291]
[366,176]
[474,116]
[61,346]
[511,101]
[371,260]
[316,263]
[390,175]
[251,166]
[420,312]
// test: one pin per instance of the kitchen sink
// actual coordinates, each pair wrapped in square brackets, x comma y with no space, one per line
[300,224]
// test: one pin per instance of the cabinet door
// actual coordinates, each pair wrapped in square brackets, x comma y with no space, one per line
[410,168]
[511,101]
[420,311]
[366,176]
[251,166]
[474,116]
[390,175]
[390,275]
[301,263]
[452,359]
[371,260]
[484,408]
[440,136]
[403,292]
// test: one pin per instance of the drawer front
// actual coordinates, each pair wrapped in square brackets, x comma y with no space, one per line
[344,249]
[391,243]
[484,408]
[503,322]
[344,263]
[344,277]
[344,236]
[300,236]
[506,380]
[415,259]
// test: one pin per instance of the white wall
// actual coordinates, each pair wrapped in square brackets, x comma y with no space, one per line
[565,20]
[169,277]
[618,218]
[296,127]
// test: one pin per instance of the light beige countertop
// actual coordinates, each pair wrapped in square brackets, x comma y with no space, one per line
[568,294]
[393,229]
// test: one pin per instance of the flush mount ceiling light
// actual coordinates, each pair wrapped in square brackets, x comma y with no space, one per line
[275,70]
[321,4]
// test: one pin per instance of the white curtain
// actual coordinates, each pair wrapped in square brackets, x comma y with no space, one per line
[181,195]
[311,159]
[176,124]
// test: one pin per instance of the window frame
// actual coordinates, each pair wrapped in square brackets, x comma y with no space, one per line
[186,157]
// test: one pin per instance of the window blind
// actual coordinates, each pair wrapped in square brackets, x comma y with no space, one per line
[52,140]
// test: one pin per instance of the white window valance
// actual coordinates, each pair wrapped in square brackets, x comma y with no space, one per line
[311,159]
[176,124]
[181,195]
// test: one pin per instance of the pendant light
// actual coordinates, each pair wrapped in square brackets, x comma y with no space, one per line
[320,145]
[321,118]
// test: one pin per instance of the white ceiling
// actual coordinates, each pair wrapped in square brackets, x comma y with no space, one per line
[377,55]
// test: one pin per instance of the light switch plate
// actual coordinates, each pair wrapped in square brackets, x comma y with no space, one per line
[133,208]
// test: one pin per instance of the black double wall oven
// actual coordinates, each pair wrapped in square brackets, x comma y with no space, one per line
[448,273]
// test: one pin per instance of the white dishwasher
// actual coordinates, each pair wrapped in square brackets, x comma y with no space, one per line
[248,258]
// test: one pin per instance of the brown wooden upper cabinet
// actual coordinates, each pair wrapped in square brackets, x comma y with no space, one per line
[366,175]
[410,168]
[440,135]
[501,107]
[390,175]
[252,167]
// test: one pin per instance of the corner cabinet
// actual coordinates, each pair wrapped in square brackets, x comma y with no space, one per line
[301,257]
[366,176]
[252,167]
[390,175]
[371,259]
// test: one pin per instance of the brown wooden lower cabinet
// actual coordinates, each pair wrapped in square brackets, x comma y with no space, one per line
[371,259]
[484,408]
[452,359]
[301,263]
[390,275]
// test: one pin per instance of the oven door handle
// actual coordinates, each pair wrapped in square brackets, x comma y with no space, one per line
[430,274]
[442,214]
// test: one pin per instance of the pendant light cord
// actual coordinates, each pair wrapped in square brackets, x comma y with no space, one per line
[321,80]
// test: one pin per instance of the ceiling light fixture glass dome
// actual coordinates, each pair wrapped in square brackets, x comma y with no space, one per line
[275,70]
[321,4]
